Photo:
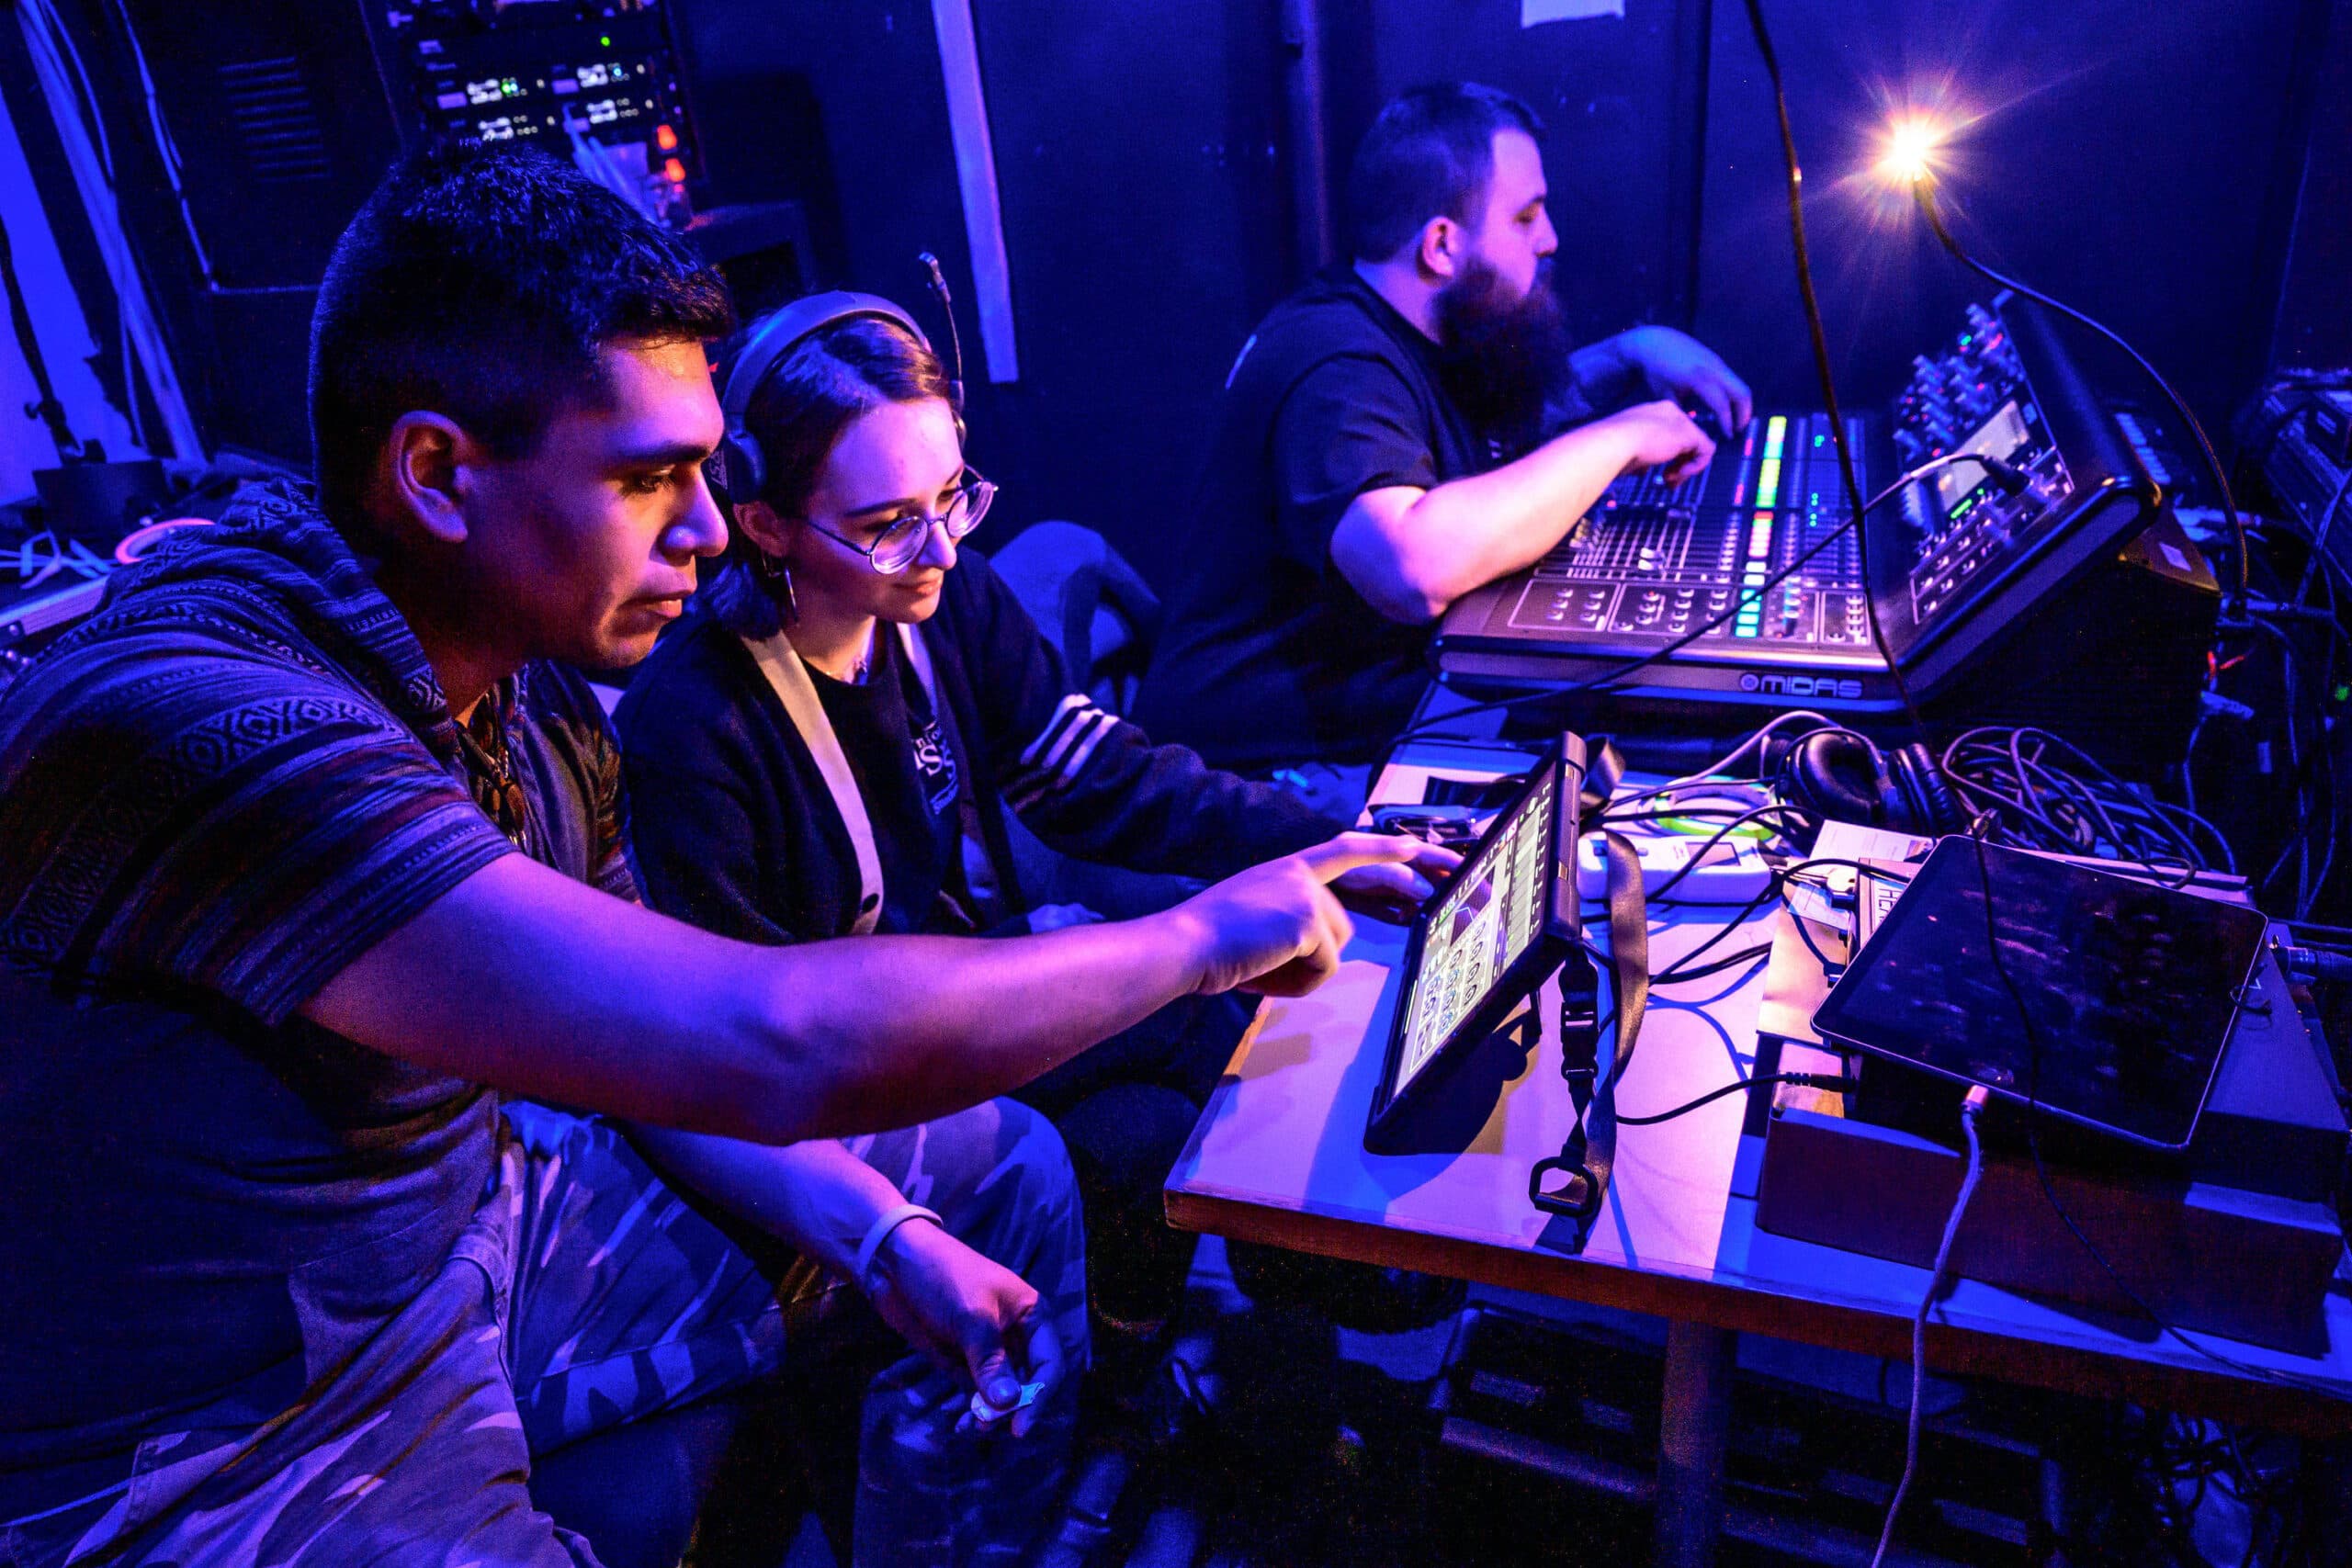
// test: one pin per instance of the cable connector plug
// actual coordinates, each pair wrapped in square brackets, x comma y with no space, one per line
[1973,1104]
[2308,964]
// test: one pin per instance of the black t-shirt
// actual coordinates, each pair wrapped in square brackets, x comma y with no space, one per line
[234,781]
[907,779]
[1269,656]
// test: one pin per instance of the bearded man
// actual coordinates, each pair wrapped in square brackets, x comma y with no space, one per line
[1404,429]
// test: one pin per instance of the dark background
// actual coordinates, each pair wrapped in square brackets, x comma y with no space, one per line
[2178,170]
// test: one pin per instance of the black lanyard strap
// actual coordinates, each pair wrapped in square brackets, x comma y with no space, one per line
[1583,1165]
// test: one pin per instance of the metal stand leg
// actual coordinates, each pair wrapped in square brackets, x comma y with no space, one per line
[1699,1363]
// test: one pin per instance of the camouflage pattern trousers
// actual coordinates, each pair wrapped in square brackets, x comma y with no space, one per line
[585,1293]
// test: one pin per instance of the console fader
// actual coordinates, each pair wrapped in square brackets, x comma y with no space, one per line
[1652,560]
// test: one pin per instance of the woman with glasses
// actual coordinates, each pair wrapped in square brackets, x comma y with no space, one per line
[833,738]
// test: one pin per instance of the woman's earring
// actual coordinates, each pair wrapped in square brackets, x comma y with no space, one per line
[775,568]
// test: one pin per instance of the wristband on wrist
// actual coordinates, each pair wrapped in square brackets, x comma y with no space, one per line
[879,1232]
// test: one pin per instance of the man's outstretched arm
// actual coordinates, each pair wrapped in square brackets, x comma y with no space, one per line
[1658,362]
[1411,552]
[522,979]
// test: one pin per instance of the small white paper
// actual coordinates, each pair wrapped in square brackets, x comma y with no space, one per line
[1533,12]
[1851,841]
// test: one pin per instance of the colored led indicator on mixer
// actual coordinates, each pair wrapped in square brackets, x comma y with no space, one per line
[1768,472]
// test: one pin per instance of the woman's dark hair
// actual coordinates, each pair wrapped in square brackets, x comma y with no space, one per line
[830,376]
[1431,154]
[480,282]
[797,413]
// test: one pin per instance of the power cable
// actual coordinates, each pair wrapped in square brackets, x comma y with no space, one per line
[1816,1080]
[1971,1107]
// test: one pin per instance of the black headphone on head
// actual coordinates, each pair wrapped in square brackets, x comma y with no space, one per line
[742,467]
[1843,776]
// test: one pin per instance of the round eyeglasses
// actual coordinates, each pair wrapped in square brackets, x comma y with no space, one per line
[901,544]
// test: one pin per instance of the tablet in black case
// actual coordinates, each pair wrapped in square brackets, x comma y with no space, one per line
[1481,945]
[2130,989]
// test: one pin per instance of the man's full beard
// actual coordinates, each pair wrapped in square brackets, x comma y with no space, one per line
[1500,358]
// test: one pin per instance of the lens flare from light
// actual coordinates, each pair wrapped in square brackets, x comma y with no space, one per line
[1911,145]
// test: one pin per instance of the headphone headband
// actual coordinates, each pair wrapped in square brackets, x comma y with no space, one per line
[765,348]
[783,330]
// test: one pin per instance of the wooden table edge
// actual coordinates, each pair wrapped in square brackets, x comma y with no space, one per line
[1966,1351]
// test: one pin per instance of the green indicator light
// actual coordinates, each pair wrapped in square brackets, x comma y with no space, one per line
[2344,694]
[1963,340]
[607,42]
[1691,830]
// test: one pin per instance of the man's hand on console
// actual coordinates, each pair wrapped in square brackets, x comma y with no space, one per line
[1396,890]
[978,1320]
[1276,928]
[1660,434]
[1677,365]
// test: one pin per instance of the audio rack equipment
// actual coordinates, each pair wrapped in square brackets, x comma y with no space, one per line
[541,71]
[2302,432]
[281,116]
[2076,603]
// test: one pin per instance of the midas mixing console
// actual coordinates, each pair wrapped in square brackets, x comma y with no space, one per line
[1654,560]
[2070,562]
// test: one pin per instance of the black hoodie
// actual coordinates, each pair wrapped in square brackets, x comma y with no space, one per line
[735,830]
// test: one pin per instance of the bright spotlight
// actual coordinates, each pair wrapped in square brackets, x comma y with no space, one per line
[1911,144]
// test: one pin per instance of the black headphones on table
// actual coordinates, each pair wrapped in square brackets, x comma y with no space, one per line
[1842,776]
